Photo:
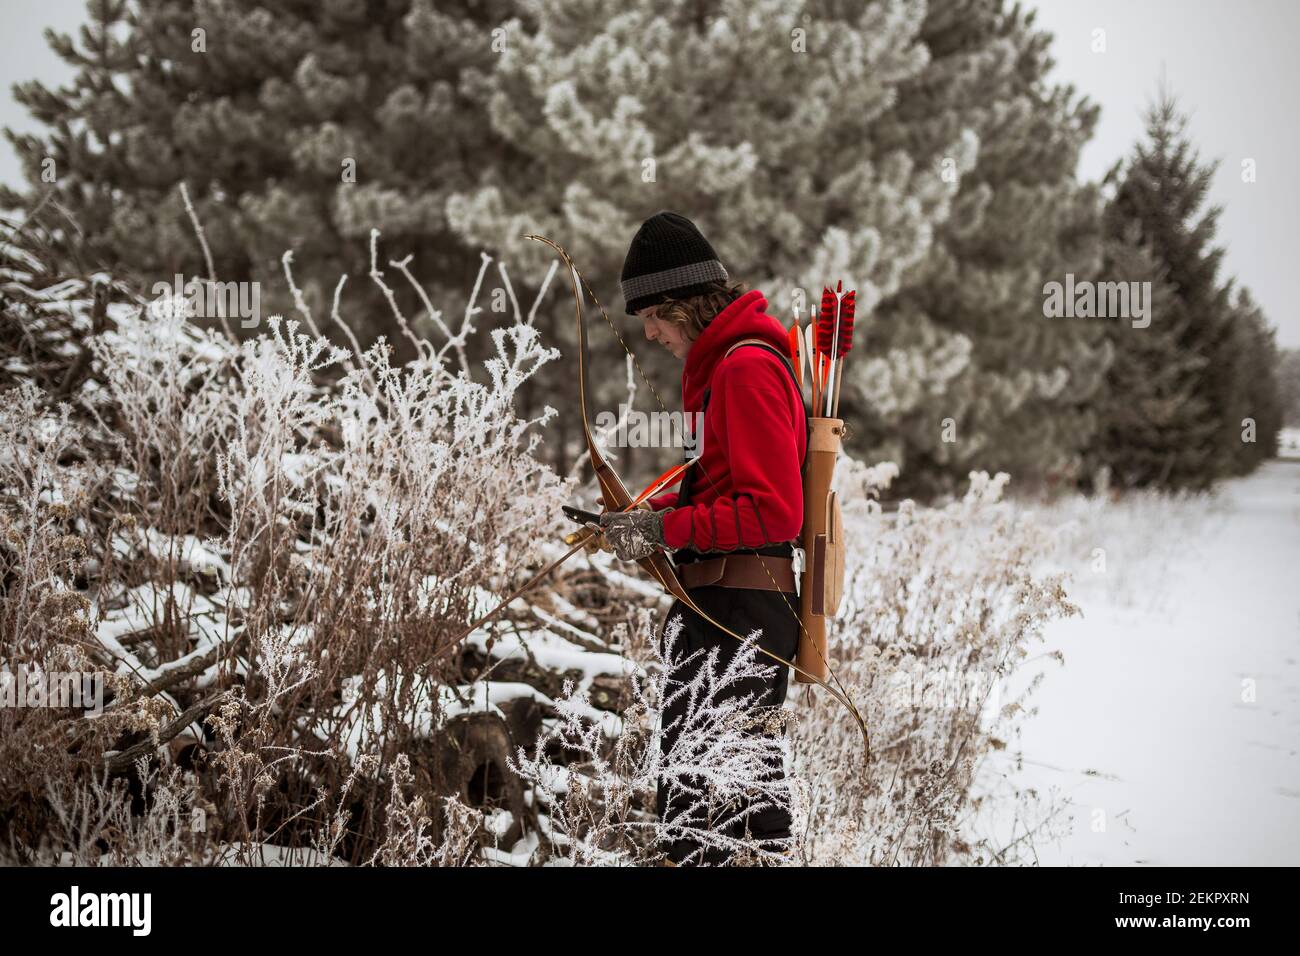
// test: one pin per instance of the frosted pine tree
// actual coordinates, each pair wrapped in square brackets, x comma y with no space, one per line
[755,119]
[961,369]
[296,126]
[76,164]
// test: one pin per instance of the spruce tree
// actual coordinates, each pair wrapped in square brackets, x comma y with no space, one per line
[1288,386]
[1148,408]
[1256,408]
[1159,199]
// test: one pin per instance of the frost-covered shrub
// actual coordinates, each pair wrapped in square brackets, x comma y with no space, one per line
[259,542]
[939,605]
[598,803]
[267,547]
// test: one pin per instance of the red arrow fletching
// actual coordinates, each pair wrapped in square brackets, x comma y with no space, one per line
[826,322]
[845,343]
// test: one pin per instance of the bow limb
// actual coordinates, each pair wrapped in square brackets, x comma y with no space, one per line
[612,489]
[617,497]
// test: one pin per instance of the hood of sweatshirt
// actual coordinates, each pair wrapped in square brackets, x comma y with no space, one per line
[742,319]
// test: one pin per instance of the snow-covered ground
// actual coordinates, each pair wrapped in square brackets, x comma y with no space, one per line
[1288,443]
[1172,731]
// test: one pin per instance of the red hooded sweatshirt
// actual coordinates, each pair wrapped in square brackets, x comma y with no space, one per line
[747,487]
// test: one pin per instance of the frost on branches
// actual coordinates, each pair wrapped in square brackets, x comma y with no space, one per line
[262,547]
[265,548]
[599,807]
[940,605]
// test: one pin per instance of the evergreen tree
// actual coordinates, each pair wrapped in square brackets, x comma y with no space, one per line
[1158,202]
[1148,408]
[468,129]
[1256,409]
[1288,383]
[961,369]
[753,118]
[295,126]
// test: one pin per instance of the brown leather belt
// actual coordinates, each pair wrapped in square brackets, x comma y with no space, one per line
[752,571]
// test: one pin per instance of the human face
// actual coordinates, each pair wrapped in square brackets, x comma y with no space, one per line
[672,337]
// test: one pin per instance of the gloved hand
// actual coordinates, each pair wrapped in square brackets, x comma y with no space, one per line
[598,541]
[633,534]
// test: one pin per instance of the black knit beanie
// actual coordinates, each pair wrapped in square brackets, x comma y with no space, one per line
[668,258]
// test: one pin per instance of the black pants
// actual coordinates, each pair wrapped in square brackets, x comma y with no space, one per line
[743,611]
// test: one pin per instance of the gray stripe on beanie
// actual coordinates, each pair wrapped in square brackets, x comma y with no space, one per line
[697,272]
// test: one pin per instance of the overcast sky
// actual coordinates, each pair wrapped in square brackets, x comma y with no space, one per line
[1232,64]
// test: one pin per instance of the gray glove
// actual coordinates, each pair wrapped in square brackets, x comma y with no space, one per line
[633,534]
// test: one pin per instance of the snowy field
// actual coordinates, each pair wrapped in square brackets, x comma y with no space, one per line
[1169,736]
